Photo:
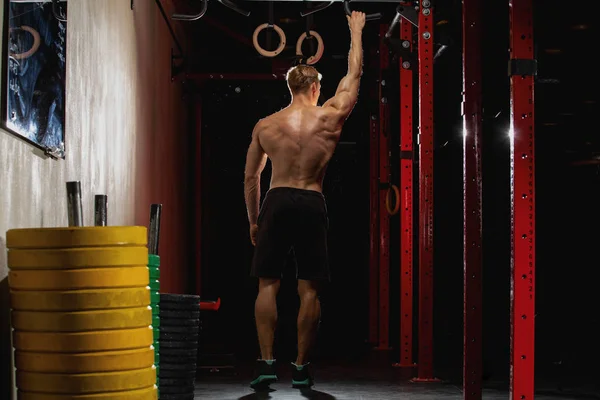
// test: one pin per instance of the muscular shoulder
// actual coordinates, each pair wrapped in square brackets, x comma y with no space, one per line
[330,117]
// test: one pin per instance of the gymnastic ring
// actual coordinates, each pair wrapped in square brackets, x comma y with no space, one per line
[388,206]
[36,43]
[320,47]
[262,51]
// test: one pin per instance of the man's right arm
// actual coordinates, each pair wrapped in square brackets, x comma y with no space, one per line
[346,94]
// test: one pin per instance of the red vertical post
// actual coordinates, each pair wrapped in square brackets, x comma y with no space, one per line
[425,54]
[374,229]
[406,201]
[472,199]
[522,72]
[384,217]
[198,194]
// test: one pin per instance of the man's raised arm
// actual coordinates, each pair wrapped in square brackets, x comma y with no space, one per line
[346,95]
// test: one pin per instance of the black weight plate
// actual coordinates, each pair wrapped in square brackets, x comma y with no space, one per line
[180,329]
[179,314]
[176,390]
[178,298]
[176,374]
[180,306]
[178,359]
[176,382]
[177,367]
[178,345]
[186,396]
[178,337]
[166,353]
[179,322]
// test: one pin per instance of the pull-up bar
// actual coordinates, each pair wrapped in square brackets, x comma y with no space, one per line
[336,1]
[233,6]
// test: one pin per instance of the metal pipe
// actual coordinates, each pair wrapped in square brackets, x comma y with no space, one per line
[318,8]
[231,5]
[154,228]
[195,17]
[336,1]
[394,23]
[74,205]
[100,210]
[369,17]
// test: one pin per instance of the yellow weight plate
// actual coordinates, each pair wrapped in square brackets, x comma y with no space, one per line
[77,258]
[150,393]
[81,342]
[86,383]
[79,300]
[79,321]
[89,278]
[88,236]
[81,363]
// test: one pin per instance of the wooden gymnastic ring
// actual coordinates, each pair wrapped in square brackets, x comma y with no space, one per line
[388,206]
[36,43]
[320,47]
[262,51]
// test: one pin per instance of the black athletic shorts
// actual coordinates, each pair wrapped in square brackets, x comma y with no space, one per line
[292,221]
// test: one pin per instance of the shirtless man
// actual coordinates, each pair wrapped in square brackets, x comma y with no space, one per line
[300,141]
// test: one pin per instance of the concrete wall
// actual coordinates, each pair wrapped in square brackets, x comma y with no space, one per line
[126,129]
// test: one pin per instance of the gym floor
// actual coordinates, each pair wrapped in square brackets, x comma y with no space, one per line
[348,383]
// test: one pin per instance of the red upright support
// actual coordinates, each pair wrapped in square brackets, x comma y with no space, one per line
[374,229]
[522,71]
[384,218]
[406,201]
[425,53]
[472,223]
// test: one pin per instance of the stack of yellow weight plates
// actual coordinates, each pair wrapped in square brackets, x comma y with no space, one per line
[81,313]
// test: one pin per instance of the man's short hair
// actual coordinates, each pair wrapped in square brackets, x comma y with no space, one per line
[300,77]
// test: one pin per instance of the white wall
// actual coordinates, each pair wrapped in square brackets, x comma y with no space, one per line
[119,97]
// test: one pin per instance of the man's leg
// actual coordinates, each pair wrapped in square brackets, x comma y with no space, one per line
[308,319]
[265,311]
[310,244]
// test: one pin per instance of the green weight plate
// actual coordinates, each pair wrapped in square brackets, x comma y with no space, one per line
[154,260]
[156,345]
[155,321]
[154,273]
[154,297]
[154,284]
[155,308]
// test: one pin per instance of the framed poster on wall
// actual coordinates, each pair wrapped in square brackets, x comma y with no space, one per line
[34,69]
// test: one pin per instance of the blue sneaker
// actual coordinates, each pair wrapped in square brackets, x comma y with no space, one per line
[264,374]
[301,376]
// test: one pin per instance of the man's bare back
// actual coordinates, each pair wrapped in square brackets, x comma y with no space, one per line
[301,138]
[299,141]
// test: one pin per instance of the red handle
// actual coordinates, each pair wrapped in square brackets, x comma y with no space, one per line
[210,305]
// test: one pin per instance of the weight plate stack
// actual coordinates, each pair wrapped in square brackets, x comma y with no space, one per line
[154,270]
[179,333]
[81,315]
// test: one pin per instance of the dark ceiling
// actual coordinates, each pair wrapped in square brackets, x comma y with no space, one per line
[566,89]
